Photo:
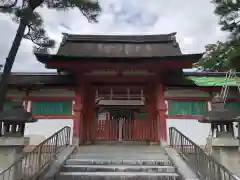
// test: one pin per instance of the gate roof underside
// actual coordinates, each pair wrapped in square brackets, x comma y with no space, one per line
[188,79]
[160,55]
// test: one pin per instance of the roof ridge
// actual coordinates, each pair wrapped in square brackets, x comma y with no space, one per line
[120,38]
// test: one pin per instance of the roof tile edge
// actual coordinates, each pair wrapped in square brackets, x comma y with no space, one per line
[120,38]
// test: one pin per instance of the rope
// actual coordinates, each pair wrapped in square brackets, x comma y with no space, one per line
[230,76]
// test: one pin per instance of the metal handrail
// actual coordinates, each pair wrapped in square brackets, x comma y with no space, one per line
[206,167]
[31,163]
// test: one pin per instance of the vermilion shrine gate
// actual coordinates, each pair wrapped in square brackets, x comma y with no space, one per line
[127,72]
[134,82]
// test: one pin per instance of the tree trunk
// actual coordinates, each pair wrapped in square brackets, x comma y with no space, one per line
[10,60]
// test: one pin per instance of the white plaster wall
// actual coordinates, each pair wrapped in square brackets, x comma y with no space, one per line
[44,128]
[197,132]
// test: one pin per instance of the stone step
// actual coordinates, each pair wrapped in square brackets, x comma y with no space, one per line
[117,168]
[125,156]
[117,176]
[118,162]
[120,153]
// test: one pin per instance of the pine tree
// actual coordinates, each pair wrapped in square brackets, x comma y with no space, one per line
[229,13]
[23,12]
[218,56]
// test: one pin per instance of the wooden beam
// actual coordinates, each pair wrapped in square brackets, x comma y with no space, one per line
[58,117]
[118,85]
[117,79]
[156,66]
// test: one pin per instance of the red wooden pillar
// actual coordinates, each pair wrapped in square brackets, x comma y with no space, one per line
[86,112]
[92,114]
[89,113]
[161,110]
[78,129]
[151,112]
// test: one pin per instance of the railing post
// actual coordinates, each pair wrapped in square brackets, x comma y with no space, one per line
[196,157]
[56,143]
[39,157]
[171,137]
[219,173]
[181,143]
[68,136]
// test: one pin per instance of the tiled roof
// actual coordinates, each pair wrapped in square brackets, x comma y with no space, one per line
[124,46]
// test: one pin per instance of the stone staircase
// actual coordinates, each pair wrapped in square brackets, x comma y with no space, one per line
[146,162]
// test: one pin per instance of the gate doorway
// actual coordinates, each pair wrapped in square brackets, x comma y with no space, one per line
[118,117]
[124,121]
[109,127]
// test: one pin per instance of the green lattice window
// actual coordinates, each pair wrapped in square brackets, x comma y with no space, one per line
[234,106]
[182,107]
[52,108]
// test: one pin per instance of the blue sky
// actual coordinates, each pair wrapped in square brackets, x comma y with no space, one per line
[193,20]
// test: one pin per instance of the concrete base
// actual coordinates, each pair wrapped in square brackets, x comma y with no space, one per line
[164,144]
[76,141]
[11,149]
[225,150]
[182,167]
[229,157]
[224,142]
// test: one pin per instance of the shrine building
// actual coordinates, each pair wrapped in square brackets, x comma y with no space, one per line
[119,88]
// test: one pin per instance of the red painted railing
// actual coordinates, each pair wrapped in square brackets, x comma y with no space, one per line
[143,130]
[105,130]
[124,130]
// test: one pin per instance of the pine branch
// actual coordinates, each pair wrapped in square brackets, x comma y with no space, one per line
[7,6]
[27,18]
[89,8]
[36,32]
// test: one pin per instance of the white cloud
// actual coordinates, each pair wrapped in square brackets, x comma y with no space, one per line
[193,20]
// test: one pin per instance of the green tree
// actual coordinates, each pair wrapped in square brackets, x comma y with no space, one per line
[23,12]
[229,13]
[218,56]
